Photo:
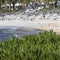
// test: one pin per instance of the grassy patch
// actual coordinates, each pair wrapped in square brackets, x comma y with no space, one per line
[41,46]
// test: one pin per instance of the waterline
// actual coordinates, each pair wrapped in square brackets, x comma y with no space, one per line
[9,33]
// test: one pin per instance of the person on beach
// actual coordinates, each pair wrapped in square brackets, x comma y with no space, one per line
[43,14]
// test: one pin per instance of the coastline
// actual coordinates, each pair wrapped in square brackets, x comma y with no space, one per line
[45,25]
[32,20]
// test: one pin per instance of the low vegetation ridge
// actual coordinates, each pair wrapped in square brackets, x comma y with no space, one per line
[41,46]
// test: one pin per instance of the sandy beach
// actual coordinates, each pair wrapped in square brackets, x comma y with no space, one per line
[50,22]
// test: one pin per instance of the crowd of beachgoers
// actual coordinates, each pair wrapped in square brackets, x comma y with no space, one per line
[35,19]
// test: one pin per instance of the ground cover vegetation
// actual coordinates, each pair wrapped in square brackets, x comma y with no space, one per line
[41,46]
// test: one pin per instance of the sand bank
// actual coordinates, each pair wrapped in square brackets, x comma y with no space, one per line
[32,20]
[40,24]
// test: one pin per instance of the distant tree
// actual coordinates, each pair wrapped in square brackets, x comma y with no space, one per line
[56,1]
[1,2]
[12,2]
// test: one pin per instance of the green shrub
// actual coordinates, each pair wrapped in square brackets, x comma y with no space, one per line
[41,46]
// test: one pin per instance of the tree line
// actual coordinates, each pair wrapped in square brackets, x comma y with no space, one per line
[4,2]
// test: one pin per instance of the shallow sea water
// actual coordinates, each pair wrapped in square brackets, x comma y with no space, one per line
[9,33]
